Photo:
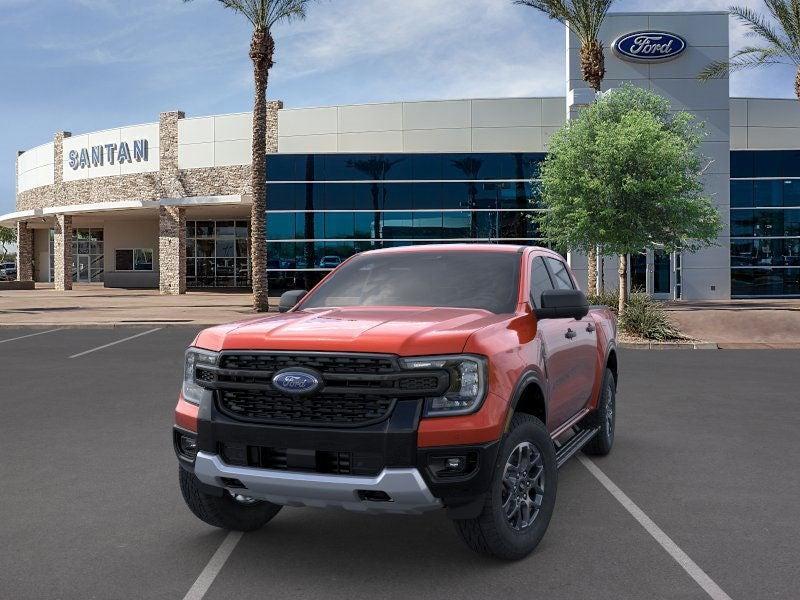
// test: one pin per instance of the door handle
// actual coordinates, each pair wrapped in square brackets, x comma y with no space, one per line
[570,334]
[590,327]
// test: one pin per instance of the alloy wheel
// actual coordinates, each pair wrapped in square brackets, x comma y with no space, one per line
[523,483]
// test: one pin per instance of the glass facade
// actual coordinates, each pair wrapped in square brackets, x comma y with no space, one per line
[88,262]
[765,223]
[217,254]
[323,208]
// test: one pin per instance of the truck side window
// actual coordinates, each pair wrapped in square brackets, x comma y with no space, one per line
[561,277]
[540,281]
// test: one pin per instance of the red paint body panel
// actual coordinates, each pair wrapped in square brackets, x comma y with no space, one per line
[570,370]
[186,415]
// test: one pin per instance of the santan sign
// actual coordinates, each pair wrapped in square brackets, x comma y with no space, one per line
[649,46]
[97,156]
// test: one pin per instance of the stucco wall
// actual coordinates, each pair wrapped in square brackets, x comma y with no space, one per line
[129,233]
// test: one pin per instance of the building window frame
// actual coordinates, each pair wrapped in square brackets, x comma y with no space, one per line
[134,263]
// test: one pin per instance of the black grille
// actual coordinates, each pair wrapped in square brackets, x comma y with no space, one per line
[318,461]
[323,363]
[356,390]
[268,407]
[419,384]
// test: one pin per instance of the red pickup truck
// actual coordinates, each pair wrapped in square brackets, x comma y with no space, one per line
[410,379]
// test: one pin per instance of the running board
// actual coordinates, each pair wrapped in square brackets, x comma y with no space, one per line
[567,450]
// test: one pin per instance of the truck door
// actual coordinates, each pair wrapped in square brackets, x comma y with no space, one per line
[557,348]
[581,355]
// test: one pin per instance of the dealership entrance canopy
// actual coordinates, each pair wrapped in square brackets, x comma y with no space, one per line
[167,204]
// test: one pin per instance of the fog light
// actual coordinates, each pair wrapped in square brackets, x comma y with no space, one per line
[187,445]
[454,464]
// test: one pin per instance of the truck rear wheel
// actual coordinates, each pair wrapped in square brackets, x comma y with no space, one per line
[226,511]
[603,417]
[519,505]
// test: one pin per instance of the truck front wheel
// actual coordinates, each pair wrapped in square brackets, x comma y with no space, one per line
[519,505]
[225,511]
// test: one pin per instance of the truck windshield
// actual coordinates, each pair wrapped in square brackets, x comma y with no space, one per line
[486,280]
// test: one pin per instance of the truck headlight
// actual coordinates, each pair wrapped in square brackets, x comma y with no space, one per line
[192,391]
[468,376]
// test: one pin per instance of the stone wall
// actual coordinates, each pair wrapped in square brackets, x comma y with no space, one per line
[24,252]
[62,253]
[172,250]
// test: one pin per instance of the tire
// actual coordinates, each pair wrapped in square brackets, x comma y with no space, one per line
[492,533]
[605,417]
[224,511]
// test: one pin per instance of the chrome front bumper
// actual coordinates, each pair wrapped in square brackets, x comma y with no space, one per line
[405,487]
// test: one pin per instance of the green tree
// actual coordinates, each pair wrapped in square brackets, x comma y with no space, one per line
[584,19]
[778,37]
[7,236]
[626,175]
[263,15]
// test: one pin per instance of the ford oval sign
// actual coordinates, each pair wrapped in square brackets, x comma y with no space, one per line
[649,46]
[296,382]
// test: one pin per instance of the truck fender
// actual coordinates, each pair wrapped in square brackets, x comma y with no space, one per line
[527,378]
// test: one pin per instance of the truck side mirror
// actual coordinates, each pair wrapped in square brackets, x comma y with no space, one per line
[563,304]
[290,299]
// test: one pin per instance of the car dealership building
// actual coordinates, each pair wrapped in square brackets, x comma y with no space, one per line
[166,204]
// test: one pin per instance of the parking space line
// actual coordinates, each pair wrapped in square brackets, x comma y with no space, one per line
[22,337]
[214,566]
[115,343]
[695,572]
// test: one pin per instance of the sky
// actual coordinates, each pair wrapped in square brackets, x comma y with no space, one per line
[86,65]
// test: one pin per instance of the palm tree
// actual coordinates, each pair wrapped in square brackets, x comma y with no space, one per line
[584,19]
[263,15]
[780,41]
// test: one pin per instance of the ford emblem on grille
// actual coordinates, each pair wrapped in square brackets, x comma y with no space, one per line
[294,381]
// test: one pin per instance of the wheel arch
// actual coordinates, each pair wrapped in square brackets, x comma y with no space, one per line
[529,398]
[612,365]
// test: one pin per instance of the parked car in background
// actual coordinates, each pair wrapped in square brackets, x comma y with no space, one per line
[8,271]
[330,262]
[411,379]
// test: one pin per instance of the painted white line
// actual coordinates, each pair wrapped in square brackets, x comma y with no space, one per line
[115,343]
[22,337]
[695,572]
[214,566]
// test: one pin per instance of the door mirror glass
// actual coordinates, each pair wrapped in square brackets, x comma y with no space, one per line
[563,304]
[290,299]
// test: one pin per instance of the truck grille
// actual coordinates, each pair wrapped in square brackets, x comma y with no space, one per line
[321,409]
[287,459]
[357,390]
[324,363]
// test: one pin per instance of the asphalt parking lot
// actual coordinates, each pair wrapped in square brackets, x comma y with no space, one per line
[707,447]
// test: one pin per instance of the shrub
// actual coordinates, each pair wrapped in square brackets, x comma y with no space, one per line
[608,298]
[646,318]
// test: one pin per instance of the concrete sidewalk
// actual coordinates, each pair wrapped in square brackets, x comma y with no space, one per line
[92,304]
[741,323]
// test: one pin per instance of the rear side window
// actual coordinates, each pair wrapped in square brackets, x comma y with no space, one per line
[561,277]
[540,281]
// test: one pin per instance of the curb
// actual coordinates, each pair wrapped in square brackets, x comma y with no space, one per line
[669,345]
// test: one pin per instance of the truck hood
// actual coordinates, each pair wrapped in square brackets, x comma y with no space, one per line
[401,331]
